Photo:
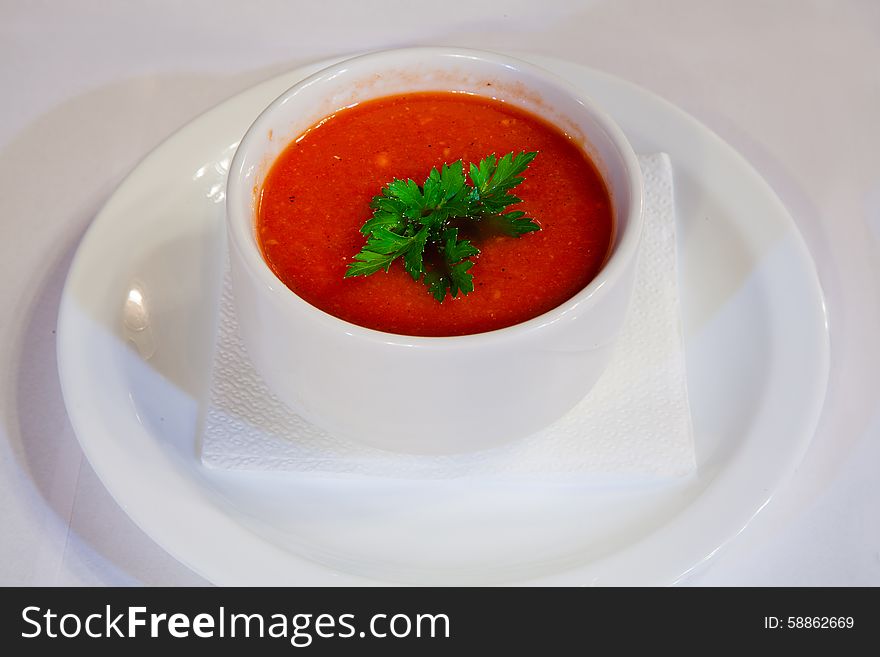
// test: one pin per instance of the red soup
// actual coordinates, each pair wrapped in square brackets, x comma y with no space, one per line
[317,196]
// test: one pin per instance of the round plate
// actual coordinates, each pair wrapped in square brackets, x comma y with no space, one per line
[757,359]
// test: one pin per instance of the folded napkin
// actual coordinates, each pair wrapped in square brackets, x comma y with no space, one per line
[635,423]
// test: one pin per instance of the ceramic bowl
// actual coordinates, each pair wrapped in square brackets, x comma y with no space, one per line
[430,394]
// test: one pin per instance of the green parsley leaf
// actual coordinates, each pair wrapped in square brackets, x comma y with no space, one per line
[415,253]
[408,219]
[515,224]
[455,250]
[369,262]
[437,284]
[459,278]
[494,178]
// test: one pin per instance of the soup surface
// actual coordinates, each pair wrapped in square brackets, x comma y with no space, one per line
[317,195]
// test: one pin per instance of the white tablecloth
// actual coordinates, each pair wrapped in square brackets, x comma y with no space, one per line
[90,87]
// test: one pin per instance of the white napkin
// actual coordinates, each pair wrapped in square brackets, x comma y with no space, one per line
[635,423]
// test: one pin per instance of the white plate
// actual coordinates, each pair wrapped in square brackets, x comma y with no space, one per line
[757,356]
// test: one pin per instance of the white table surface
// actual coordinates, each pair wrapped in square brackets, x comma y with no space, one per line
[90,87]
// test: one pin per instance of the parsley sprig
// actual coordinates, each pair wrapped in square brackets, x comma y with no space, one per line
[408,219]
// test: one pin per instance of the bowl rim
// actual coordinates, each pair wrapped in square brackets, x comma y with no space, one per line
[240,227]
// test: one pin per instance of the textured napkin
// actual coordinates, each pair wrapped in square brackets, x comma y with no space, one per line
[635,423]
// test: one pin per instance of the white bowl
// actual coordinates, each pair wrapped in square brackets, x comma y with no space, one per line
[430,394]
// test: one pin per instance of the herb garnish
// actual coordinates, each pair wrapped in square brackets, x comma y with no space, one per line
[407,219]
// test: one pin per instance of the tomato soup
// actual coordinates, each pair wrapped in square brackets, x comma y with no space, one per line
[317,196]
